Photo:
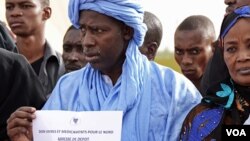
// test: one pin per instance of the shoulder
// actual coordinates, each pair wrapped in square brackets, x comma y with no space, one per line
[53,58]
[50,52]
[194,112]
[67,88]
[173,80]
[8,58]
[201,121]
[73,78]
[166,72]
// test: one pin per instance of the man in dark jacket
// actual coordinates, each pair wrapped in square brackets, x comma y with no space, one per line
[19,86]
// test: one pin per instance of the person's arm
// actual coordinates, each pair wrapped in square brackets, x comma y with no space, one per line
[188,122]
[202,123]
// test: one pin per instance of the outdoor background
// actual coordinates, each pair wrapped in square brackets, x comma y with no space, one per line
[171,13]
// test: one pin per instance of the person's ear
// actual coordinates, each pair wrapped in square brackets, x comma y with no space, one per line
[47,13]
[151,50]
[128,32]
[215,44]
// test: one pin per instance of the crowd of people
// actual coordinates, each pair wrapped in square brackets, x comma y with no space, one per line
[107,64]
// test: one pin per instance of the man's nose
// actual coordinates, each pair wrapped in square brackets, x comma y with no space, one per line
[16,12]
[73,56]
[186,60]
[88,40]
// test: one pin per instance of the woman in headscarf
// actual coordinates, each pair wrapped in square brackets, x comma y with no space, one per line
[228,82]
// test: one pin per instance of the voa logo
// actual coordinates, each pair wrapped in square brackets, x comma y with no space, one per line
[236,132]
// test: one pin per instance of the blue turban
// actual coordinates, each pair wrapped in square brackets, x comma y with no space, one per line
[128,11]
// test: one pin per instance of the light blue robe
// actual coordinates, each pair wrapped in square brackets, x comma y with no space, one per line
[172,97]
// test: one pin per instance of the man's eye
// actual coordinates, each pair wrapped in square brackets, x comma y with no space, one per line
[9,7]
[67,48]
[83,31]
[79,48]
[195,51]
[26,6]
[178,52]
[97,30]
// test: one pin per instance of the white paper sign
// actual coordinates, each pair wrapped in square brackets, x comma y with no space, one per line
[52,125]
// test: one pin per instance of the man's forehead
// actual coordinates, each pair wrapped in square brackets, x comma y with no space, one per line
[95,18]
[73,34]
[23,1]
[95,14]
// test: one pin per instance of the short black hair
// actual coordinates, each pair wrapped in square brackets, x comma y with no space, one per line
[198,22]
[71,27]
[154,26]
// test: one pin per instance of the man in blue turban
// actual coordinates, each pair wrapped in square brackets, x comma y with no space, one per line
[154,99]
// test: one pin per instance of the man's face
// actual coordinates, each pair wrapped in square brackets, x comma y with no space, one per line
[25,17]
[237,52]
[103,40]
[192,52]
[73,56]
[233,4]
[149,49]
